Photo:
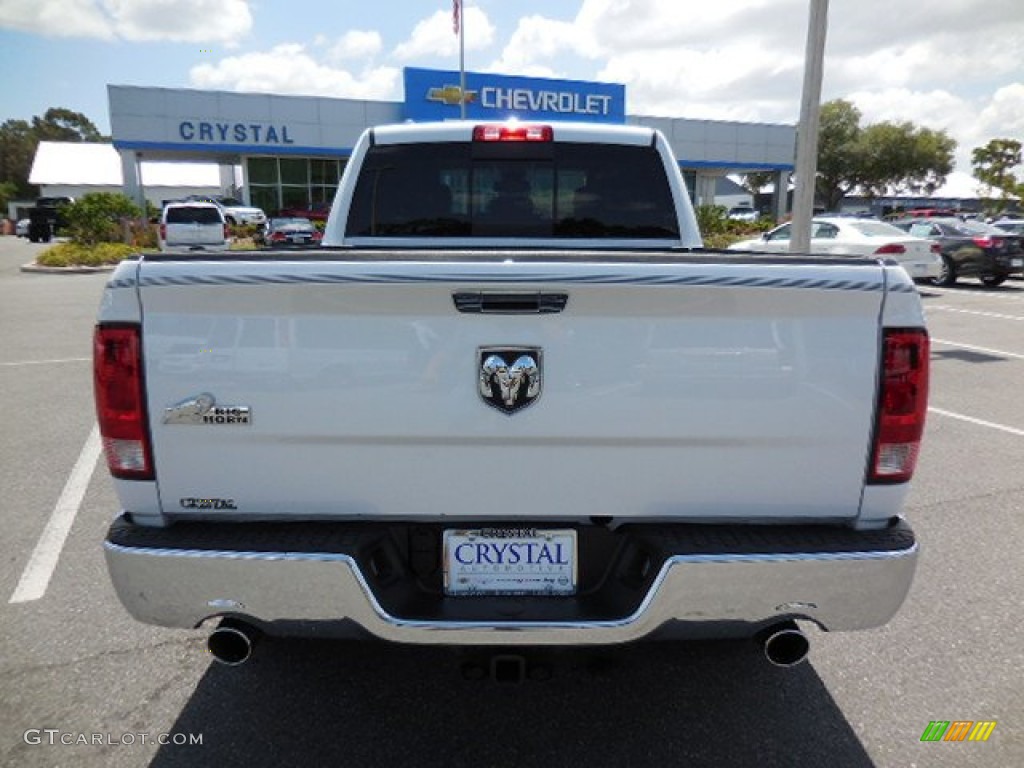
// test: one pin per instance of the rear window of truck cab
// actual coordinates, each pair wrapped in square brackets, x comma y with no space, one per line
[512,190]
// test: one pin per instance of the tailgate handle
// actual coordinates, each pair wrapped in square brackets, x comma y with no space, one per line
[510,302]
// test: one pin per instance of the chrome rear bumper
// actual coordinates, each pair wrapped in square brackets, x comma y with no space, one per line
[693,594]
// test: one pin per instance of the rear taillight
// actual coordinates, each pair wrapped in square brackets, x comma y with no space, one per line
[513,132]
[890,248]
[902,404]
[987,241]
[936,248]
[120,401]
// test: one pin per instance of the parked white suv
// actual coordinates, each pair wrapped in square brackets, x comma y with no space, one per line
[235,211]
[193,226]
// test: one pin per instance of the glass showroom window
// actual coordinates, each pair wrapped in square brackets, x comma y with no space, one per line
[324,175]
[264,183]
[292,182]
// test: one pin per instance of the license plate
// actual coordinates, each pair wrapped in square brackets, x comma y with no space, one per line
[297,238]
[1017,262]
[510,561]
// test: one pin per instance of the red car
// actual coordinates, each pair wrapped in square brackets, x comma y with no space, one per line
[315,212]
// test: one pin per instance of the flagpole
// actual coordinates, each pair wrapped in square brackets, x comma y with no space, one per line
[462,60]
[809,128]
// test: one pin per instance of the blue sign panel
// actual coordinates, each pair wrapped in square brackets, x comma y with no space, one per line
[433,94]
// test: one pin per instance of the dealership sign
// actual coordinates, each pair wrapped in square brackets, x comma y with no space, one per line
[432,94]
[213,132]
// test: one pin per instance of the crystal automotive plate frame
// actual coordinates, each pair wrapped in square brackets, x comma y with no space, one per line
[510,561]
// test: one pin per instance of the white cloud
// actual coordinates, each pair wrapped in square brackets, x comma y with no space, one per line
[946,68]
[972,121]
[289,69]
[938,109]
[653,25]
[199,21]
[730,83]
[538,39]
[57,18]
[356,44]
[1003,117]
[224,21]
[434,36]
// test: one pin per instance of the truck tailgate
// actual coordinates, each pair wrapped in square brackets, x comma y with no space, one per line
[692,390]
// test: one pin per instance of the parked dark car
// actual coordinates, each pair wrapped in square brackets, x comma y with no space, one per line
[46,218]
[290,230]
[970,249]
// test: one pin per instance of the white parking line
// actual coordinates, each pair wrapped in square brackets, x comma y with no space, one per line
[969,293]
[996,315]
[978,422]
[36,576]
[45,362]
[973,348]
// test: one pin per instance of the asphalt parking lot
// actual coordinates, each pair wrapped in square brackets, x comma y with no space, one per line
[75,668]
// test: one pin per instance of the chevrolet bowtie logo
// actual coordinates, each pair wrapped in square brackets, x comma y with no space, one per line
[450,95]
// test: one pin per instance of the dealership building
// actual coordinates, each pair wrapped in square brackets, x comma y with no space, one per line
[288,151]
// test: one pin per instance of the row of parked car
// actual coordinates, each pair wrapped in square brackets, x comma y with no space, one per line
[204,223]
[935,249]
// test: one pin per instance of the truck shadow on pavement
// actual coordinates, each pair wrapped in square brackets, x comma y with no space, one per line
[303,702]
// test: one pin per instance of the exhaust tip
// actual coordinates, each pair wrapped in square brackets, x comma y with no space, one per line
[231,643]
[786,645]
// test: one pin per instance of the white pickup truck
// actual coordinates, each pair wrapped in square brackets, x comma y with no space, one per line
[513,402]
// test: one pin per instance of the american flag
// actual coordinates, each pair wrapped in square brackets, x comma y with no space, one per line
[456,15]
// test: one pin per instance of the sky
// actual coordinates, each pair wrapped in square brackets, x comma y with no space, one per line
[955,65]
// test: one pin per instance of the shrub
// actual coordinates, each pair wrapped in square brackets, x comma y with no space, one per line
[244,231]
[141,234]
[719,231]
[719,241]
[712,219]
[97,216]
[79,255]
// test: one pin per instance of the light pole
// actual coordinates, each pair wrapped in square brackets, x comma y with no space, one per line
[807,131]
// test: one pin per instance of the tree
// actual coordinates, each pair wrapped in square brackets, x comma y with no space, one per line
[838,152]
[993,165]
[900,157]
[879,158]
[755,182]
[20,138]
[96,217]
[60,124]
[8,192]
[17,149]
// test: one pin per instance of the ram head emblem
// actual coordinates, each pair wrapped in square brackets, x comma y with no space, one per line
[509,386]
